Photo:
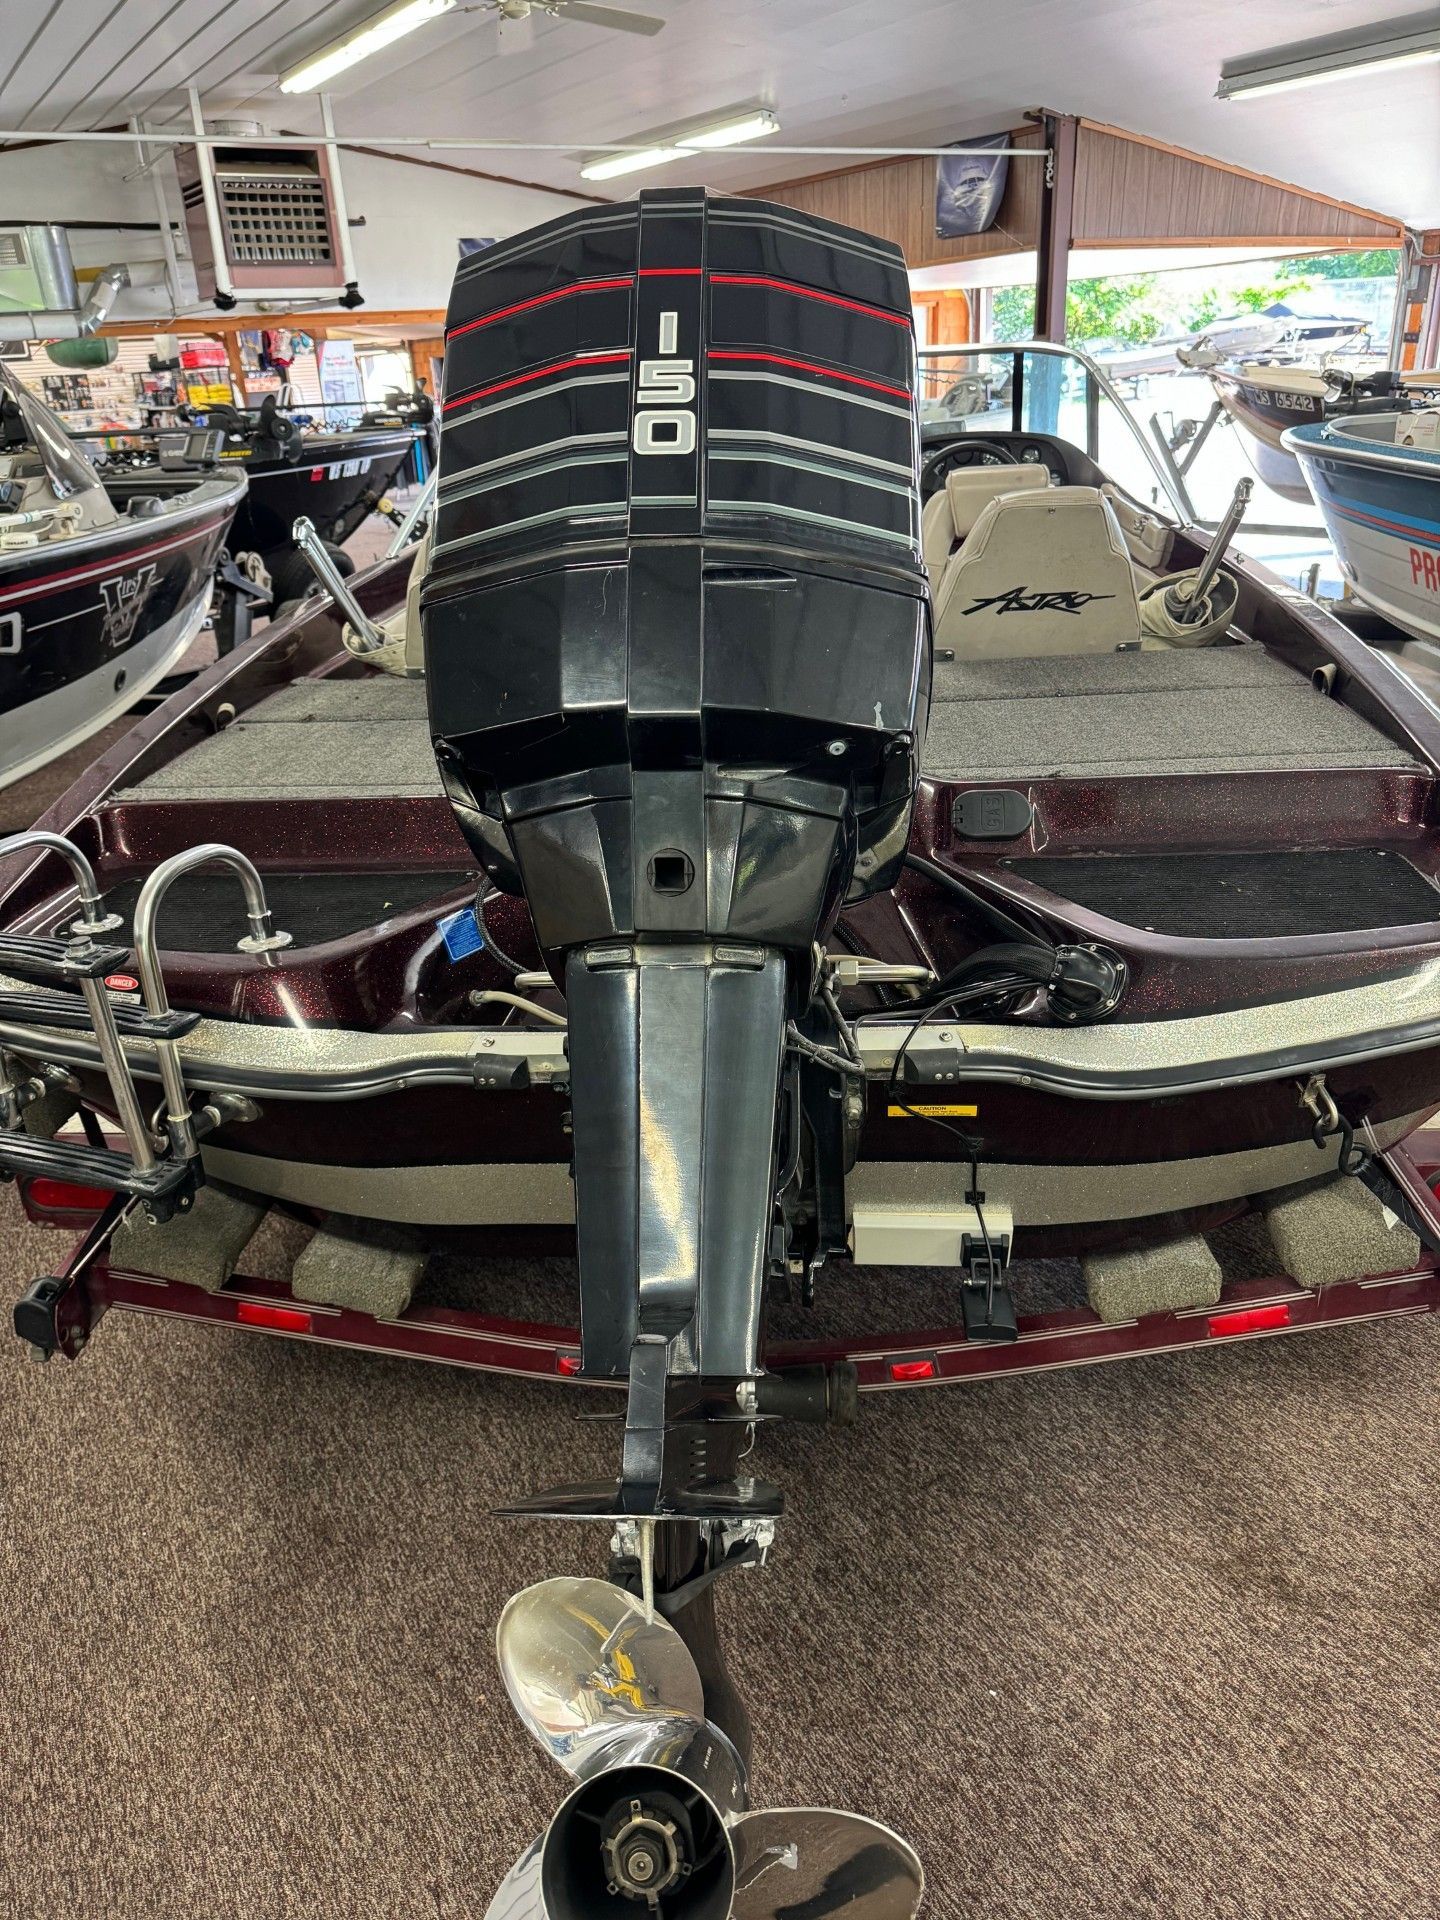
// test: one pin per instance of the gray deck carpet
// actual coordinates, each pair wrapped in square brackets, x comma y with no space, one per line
[1211,710]
[314,740]
[1143,1642]
[1218,710]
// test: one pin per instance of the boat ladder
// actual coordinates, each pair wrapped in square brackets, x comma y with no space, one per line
[160,1165]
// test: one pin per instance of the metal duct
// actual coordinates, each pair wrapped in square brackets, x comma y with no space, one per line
[68,323]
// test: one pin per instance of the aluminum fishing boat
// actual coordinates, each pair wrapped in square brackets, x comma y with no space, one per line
[336,478]
[1376,481]
[102,586]
[754,844]
[1265,398]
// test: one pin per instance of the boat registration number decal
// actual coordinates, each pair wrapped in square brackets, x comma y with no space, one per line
[1425,569]
[933,1110]
[340,470]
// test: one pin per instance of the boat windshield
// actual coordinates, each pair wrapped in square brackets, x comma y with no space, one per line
[1034,387]
[67,468]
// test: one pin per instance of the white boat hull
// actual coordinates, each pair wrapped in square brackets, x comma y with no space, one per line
[1381,508]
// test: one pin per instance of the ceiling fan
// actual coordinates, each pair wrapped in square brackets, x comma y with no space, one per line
[619,18]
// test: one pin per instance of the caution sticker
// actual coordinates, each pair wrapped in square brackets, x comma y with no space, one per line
[933,1110]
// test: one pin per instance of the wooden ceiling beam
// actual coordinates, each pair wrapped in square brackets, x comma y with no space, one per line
[215,326]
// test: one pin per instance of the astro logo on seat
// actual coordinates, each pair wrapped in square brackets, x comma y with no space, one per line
[665,398]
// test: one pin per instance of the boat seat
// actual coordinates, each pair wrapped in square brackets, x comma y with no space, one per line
[1041,573]
[951,512]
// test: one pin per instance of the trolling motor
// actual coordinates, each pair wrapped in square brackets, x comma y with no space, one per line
[1193,609]
[677,640]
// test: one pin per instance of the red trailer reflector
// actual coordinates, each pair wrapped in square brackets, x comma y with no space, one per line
[567,1363]
[907,1370]
[1249,1320]
[65,1196]
[257,1313]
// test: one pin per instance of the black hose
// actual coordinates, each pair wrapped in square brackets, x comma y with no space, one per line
[510,966]
[998,918]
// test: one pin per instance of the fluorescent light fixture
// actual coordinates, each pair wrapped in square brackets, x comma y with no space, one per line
[377,32]
[732,133]
[744,123]
[608,165]
[1301,69]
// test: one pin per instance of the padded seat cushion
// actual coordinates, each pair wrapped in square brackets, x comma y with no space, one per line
[1041,573]
[951,512]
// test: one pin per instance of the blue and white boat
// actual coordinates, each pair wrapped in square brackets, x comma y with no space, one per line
[1380,501]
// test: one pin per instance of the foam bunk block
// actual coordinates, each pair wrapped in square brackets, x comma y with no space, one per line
[201,1247]
[1337,1231]
[44,1117]
[365,1265]
[1128,1284]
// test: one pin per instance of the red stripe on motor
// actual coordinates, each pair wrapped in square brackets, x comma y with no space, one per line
[538,373]
[540,300]
[808,366]
[807,293]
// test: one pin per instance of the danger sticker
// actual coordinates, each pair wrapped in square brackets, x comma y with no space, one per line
[124,984]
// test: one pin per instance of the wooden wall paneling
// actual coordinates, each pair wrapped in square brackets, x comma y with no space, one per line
[1130,189]
[896,200]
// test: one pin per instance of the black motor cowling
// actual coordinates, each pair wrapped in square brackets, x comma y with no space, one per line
[677,639]
[676,625]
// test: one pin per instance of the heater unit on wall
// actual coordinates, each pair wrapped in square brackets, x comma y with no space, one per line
[266,223]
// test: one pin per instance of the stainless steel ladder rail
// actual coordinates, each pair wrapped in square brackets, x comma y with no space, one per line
[262,938]
[85,965]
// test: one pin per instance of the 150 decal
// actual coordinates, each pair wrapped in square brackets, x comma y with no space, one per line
[12,632]
[665,398]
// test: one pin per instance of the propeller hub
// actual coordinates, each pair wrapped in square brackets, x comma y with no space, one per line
[643,1854]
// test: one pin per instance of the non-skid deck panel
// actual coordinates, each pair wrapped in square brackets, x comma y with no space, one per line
[1232,709]
[313,740]
[1244,896]
[202,912]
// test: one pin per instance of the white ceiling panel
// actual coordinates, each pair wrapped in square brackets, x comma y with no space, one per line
[836,71]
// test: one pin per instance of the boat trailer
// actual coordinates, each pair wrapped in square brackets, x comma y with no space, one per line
[60,1313]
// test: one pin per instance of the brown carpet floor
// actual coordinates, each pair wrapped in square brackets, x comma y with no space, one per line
[1151,1640]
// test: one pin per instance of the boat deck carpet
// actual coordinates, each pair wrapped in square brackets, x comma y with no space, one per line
[1243,896]
[1205,710]
[1211,710]
[313,740]
[1176,1620]
[202,911]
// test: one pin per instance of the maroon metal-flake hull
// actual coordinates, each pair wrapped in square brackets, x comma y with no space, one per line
[1090,1164]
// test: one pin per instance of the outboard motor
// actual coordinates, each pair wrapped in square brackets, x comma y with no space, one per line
[677,644]
[677,640]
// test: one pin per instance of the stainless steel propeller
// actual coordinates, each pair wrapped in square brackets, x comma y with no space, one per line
[657,1824]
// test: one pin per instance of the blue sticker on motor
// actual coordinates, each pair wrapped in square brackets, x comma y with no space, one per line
[461,934]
